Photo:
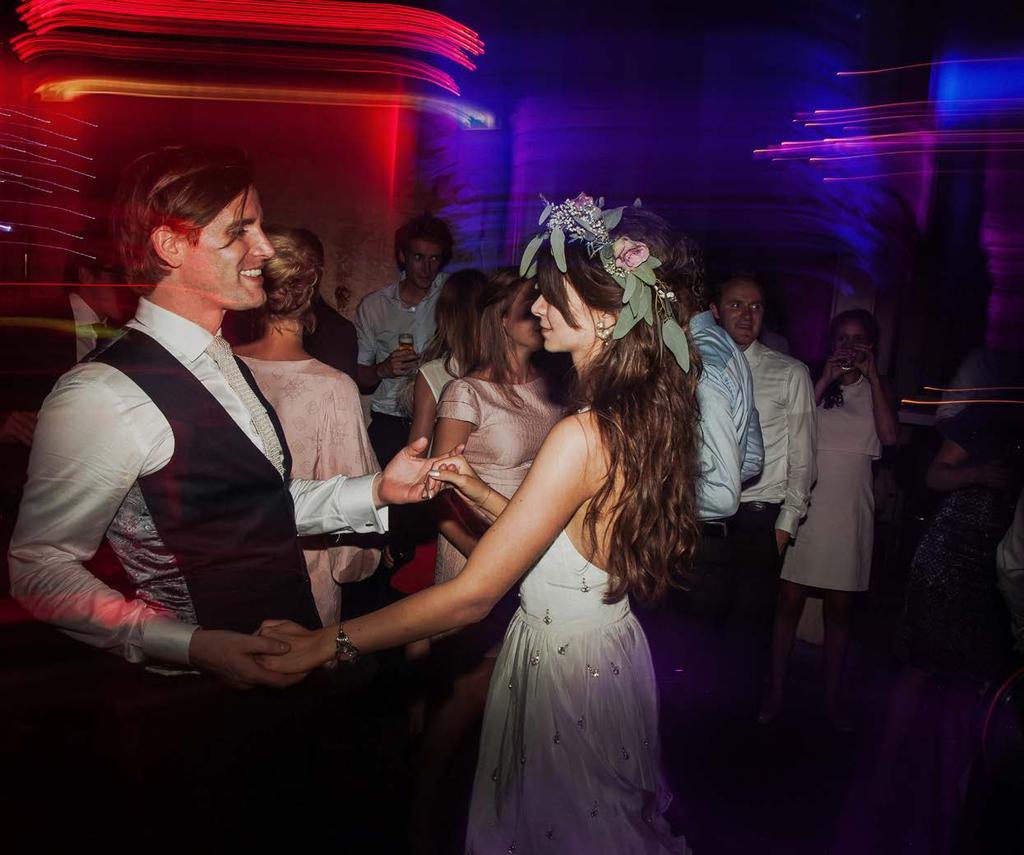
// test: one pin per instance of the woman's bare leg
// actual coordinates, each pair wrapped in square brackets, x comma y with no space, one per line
[837,640]
[788,608]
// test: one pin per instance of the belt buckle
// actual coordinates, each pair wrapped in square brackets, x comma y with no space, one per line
[721,525]
[756,507]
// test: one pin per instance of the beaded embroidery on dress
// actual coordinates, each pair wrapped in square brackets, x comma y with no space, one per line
[569,754]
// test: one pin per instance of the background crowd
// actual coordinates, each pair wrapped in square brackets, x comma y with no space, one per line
[787,501]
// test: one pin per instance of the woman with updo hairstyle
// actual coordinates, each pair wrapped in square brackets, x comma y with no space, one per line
[318,406]
[569,755]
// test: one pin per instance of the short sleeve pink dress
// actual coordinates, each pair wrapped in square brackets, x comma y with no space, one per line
[503,443]
[322,420]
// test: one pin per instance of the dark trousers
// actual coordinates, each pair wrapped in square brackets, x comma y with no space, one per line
[150,763]
[388,435]
[723,623]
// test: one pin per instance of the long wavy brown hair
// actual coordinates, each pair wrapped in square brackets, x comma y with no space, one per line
[647,415]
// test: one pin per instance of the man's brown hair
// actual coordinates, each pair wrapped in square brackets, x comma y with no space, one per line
[183,187]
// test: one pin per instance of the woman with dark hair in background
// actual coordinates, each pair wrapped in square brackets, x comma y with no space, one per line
[569,757]
[833,546]
[318,406]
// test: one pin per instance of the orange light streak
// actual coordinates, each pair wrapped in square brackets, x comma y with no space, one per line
[962,401]
[72,88]
[973,388]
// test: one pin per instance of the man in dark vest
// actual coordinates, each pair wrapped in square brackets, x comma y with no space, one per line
[163,444]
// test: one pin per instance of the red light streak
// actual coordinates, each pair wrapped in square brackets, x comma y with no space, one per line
[47,246]
[41,180]
[41,130]
[45,145]
[23,184]
[48,165]
[373,24]
[29,153]
[30,47]
[6,109]
[44,228]
[934,64]
[43,205]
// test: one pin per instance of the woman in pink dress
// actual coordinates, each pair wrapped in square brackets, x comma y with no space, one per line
[501,409]
[318,405]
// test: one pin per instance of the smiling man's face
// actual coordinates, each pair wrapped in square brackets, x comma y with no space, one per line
[225,264]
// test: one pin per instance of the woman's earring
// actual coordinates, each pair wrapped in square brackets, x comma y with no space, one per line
[603,332]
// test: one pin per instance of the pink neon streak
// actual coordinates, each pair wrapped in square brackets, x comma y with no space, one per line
[927,65]
[377,24]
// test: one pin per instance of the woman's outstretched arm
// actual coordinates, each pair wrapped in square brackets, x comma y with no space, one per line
[564,475]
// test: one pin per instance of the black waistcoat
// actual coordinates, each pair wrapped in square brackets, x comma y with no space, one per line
[219,504]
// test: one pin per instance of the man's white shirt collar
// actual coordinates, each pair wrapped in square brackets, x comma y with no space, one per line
[184,339]
[754,352]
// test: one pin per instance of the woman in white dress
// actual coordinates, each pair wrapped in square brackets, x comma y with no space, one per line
[833,546]
[569,756]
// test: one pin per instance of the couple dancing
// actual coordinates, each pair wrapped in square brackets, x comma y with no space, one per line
[569,754]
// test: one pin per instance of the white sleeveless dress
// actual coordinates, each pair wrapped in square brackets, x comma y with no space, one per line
[569,754]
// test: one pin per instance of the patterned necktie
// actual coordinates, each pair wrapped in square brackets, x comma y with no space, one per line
[220,351]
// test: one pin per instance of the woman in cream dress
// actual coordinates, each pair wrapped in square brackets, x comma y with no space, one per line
[833,546]
[569,758]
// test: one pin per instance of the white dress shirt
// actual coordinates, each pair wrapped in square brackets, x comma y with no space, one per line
[97,434]
[85,331]
[380,319]
[784,396]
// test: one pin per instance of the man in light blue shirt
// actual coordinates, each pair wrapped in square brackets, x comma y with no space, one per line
[731,450]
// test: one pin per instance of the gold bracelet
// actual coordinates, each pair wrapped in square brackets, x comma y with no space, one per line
[480,505]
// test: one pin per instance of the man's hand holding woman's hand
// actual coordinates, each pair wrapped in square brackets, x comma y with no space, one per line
[406,478]
[306,648]
[454,471]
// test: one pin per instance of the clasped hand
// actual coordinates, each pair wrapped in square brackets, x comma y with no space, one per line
[454,471]
[406,478]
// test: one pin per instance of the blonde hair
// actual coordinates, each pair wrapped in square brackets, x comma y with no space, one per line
[291,277]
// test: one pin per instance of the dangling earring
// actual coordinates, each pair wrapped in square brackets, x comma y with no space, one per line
[603,332]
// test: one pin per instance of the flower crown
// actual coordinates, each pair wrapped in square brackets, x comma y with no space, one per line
[627,261]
